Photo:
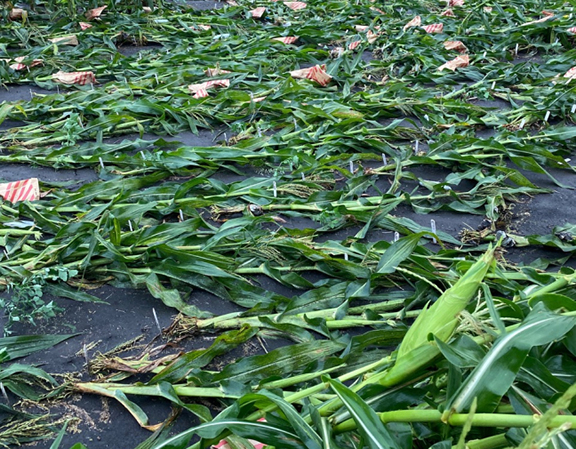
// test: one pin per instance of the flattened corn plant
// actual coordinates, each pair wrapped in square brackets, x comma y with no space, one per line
[404,335]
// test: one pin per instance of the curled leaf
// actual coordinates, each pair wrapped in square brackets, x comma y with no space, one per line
[200,90]
[95,13]
[354,45]
[455,45]
[286,39]
[17,14]
[415,22]
[257,13]
[80,78]
[65,40]
[372,36]
[295,6]
[457,62]
[543,19]
[19,64]
[316,73]
[216,71]
[570,73]
[433,28]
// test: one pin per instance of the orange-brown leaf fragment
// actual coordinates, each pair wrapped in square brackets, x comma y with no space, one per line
[80,78]
[316,73]
[455,45]
[457,62]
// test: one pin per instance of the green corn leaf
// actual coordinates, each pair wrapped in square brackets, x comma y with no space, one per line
[306,434]
[27,344]
[398,252]
[157,437]
[542,379]
[492,309]
[65,291]
[199,358]
[529,163]
[133,408]
[5,110]
[281,361]
[259,431]
[553,301]
[59,437]
[324,429]
[490,380]
[374,432]
[171,297]
[541,427]
[463,352]
[17,369]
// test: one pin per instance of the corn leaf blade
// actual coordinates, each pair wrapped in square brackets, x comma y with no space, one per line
[369,425]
